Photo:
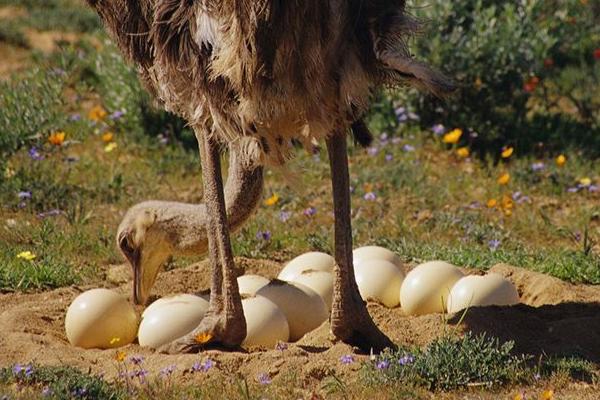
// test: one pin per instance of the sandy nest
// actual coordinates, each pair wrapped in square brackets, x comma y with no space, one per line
[556,318]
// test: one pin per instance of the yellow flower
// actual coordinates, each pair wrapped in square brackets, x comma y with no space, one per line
[561,160]
[114,340]
[26,255]
[519,396]
[478,83]
[57,138]
[110,147]
[585,181]
[203,338]
[491,203]
[507,203]
[97,113]
[548,394]
[120,355]
[271,201]
[463,152]
[108,137]
[452,137]
[504,178]
[507,152]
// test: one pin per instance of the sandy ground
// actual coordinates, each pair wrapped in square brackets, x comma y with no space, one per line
[556,318]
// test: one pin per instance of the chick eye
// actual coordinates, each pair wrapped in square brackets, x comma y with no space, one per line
[125,245]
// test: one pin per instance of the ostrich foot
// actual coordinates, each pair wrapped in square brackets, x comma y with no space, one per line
[353,325]
[214,331]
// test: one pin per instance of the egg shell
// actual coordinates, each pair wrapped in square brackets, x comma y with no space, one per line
[487,290]
[266,324]
[369,253]
[426,288]
[304,309]
[379,280]
[249,284]
[100,318]
[315,261]
[319,281]
[170,318]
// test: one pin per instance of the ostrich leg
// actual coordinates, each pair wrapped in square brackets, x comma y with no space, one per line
[350,320]
[224,321]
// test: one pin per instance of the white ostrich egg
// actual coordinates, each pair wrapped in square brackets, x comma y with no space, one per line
[369,253]
[379,280]
[315,261]
[249,284]
[489,290]
[266,324]
[304,309]
[426,288]
[100,318]
[319,281]
[170,318]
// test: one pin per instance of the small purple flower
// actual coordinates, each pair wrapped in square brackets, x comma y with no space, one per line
[537,376]
[51,213]
[516,195]
[284,216]
[474,205]
[28,370]
[438,129]
[59,72]
[396,140]
[400,110]
[17,368]
[406,360]
[316,157]
[35,154]
[593,188]
[347,359]
[136,359]
[370,196]
[573,189]
[413,117]
[352,189]
[494,244]
[75,117]
[538,166]
[310,211]
[389,157]
[47,392]
[384,137]
[167,371]
[372,151]
[163,139]
[263,235]
[24,195]
[264,379]
[141,374]
[80,392]
[383,364]
[577,236]
[408,148]
[281,346]
[116,115]
[204,366]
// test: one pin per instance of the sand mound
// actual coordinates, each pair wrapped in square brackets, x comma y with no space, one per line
[556,318]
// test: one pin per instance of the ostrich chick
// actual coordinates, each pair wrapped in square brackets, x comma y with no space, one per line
[257,75]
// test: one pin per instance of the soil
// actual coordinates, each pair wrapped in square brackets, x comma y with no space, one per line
[555,318]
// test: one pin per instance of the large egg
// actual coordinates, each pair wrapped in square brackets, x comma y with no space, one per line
[425,289]
[489,290]
[249,284]
[100,318]
[266,324]
[379,280]
[170,318]
[304,309]
[319,281]
[369,253]
[313,261]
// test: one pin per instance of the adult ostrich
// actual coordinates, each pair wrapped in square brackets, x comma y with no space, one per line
[256,75]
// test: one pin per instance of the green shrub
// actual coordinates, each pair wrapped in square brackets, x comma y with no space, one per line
[506,56]
[449,363]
